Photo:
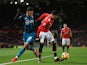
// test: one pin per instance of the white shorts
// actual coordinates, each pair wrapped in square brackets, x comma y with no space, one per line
[46,35]
[65,41]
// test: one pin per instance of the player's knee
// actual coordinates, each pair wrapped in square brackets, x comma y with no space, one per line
[26,46]
[41,45]
[68,44]
[41,41]
[54,44]
[63,45]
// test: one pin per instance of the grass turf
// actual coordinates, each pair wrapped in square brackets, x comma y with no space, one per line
[78,56]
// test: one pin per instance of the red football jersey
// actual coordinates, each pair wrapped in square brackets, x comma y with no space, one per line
[43,16]
[66,32]
[47,20]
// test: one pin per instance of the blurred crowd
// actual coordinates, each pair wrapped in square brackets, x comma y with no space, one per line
[9,39]
[79,38]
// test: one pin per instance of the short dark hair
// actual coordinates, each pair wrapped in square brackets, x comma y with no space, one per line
[30,8]
[54,12]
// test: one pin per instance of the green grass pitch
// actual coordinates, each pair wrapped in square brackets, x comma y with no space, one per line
[78,56]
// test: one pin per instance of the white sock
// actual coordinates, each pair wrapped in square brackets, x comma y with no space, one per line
[55,57]
[16,57]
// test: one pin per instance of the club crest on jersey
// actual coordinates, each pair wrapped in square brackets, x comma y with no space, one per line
[27,22]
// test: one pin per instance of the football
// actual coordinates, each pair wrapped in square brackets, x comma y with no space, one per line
[65,55]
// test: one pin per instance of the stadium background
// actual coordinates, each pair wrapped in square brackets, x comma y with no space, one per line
[72,12]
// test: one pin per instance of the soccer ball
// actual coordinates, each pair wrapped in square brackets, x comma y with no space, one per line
[65,55]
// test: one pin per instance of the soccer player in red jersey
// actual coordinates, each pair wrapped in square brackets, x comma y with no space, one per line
[66,34]
[44,32]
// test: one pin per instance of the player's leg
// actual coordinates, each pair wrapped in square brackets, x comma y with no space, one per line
[21,51]
[34,50]
[63,44]
[27,39]
[54,50]
[67,48]
[31,47]
[42,37]
[26,45]
[38,32]
[51,38]
[48,43]
[68,43]
[40,51]
[33,35]
[25,36]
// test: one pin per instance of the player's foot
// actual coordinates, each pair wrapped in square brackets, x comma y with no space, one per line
[14,59]
[36,52]
[58,59]
[39,60]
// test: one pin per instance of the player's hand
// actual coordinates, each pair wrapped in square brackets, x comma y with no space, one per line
[50,25]
[18,10]
[44,24]
[36,20]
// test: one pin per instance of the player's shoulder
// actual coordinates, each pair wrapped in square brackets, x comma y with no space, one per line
[25,16]
[45,14]
[68,28]
[22,16]
[63,28]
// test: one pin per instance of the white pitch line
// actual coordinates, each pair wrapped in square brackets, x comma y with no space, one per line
[24,60]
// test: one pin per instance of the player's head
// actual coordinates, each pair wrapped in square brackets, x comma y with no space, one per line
[30,11]
[54,14]
[65,25]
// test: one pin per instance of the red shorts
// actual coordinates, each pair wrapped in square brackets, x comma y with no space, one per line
[40,28]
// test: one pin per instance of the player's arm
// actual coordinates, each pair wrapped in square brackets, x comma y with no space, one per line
[61,34]
[42,16]
[19,15]
[70,33]
[46,24]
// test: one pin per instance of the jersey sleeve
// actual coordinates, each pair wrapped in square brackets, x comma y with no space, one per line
[19,15]
[43,16]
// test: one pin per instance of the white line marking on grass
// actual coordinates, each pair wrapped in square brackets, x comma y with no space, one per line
[24,60]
